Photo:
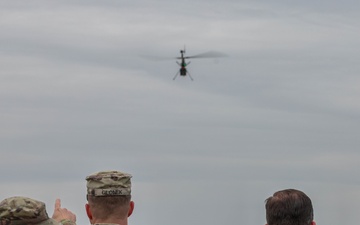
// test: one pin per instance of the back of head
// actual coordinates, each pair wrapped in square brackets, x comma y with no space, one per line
[24,211]
[109,194]
[289,207]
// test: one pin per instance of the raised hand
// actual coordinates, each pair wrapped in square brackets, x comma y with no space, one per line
[62,215]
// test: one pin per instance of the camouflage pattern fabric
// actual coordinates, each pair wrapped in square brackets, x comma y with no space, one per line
[105,224]
[24,211]
[109,183]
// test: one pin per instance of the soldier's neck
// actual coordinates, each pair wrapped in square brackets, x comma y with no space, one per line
[109,221]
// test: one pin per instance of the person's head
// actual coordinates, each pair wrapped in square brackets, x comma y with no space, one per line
[289,207]
[22,210]
[109,196]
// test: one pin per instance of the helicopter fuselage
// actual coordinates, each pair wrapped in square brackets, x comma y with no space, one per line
[183,65]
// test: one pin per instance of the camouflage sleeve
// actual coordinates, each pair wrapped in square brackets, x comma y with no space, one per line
[67,222]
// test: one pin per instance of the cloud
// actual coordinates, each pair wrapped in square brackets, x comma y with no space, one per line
[281,111]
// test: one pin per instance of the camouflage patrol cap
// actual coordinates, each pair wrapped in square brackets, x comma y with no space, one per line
[109,183]
[24,211]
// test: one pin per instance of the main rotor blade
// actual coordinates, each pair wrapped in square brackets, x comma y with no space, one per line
[211,54]
[156,58]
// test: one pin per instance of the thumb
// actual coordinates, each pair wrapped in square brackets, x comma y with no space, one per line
[57,204]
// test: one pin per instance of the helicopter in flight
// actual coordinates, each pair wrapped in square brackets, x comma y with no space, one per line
[183,71]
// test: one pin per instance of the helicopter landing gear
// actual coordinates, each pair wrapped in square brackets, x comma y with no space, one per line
[190,76]
[176,75]
[183,75]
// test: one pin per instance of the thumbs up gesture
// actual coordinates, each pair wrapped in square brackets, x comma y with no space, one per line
[62,215]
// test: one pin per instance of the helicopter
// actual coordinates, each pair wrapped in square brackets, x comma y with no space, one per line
[183,71]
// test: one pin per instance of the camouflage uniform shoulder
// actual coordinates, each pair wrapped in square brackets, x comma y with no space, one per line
[105,224]
[22,210]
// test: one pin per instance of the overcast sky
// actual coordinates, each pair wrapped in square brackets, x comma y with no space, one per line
[281,111]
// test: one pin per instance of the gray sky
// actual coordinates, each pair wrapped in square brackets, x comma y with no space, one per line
[282,111]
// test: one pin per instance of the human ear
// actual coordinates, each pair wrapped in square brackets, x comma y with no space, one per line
[131,208]
[88,211]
